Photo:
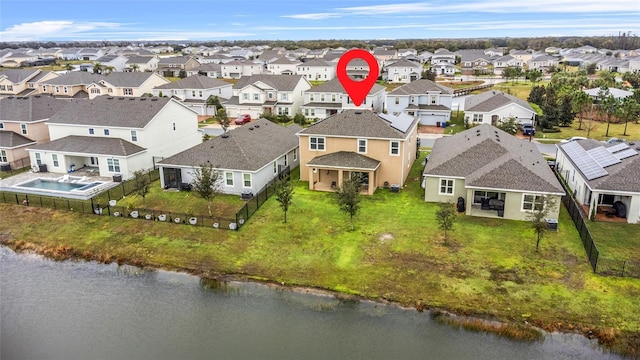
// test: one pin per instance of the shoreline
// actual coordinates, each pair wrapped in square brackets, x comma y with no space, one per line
[476,322]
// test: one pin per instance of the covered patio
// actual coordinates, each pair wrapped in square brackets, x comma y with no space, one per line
[327,172]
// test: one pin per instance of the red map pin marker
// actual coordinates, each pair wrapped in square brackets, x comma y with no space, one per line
[357,90]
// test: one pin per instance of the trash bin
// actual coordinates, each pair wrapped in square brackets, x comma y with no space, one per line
[117,177]
[552,224]
[444,125]
[42,167]
[437,123]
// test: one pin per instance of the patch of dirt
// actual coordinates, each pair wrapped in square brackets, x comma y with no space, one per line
[502,274]
[430,129]
[386,237]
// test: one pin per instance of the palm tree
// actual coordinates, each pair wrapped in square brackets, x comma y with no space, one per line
[608,105]
[108,69]
[134,67]
[628,110]
[581,100]
[97,68]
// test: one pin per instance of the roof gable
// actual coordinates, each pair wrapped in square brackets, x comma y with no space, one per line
[493,100]
[421,86]
[357,123]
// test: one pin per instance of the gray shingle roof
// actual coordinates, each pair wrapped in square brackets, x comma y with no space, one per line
[208,67]
[334,86]
[111,111]
[278,82]
[40,76]
[174,60]
[10,140]
[356,123]
[488,157]
[248,148]
[492,100]
[127,79]
[195,82]
[622,176]
[315,62]
[90,145]
[421,86]
[75,78]
[32,108]
[17,76]
[135,59]
[345,159]
[405,63]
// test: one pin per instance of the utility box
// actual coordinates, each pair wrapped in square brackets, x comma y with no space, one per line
[42,168]
[552,224]
[394,188]
[247,195]
[117,177]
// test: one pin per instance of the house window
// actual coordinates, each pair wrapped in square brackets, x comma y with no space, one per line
[246,180]
[1,125]
[275,168]
[446,187]
[38,159]
[106,132]
[2,88]
[322,97]
[128,91]
[91,131]
[228,178]
[270,95]
[95,91]
[433,99]
[193,93]
[114,165]
[532,202]
[64,89]
[362,146]
[295,155]
[134,135]
[54,157]
[3,156]
[477,117]
[174,126]
[57,89]
[397,100]
[23,129]
[333,97]
[200,93]
[256,97]
[478,195]
[316,143]
[44,88]
[394,148]
[286,160]
[284,96]
[245,96]
[310,97]
[283,111]
[9,87]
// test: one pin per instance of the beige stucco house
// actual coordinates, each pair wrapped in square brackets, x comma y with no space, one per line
[493,172]
[381,147]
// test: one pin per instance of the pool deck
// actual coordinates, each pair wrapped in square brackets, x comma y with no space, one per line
[7,184]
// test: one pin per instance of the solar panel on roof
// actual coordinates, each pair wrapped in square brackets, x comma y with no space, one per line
[625,154]
[603,157]
[617,147]
[583,161]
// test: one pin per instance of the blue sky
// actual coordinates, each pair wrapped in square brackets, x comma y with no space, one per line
[199,20]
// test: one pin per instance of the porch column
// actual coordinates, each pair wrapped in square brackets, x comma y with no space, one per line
[340,177]
[312,178]
[371,182]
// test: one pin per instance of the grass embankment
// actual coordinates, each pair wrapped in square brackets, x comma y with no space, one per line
[488,268]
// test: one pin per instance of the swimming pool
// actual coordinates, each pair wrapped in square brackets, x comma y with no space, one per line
[67,186]
[56,185]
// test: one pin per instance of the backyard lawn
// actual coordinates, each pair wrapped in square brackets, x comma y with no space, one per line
[487,267]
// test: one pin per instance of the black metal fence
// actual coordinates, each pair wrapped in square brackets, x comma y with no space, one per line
[585,235]
[600,264]
[254,203]
[128,187]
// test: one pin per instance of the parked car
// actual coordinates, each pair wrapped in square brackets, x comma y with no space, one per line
[528,129]
[243,119]
[615,140]
[573,138]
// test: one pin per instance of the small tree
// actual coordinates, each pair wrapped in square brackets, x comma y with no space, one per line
[142,183]
[284,194]
[542,206]
[628,110]
[534,76]
[581,102]
[348,196]
[182,74]
[206,183]
[608,105]
[223,119]
[299,119]
[445,217]
[509,125]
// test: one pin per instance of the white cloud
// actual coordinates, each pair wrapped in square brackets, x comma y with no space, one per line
[53,29]
[316,16]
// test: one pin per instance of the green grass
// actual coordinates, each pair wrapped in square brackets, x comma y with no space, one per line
[618,241]
[488,267]
[598,131]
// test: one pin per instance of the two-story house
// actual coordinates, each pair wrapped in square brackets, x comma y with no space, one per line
[73,84]
[329,98]
[474,62]
[194,91]
[126,84]
[381,148]
[424,99]
[282,66]
[211,70]
[171,66]
[542,63]
[114,62]
[136,63]
[317,69]
[443,62]
[116,135]
[22,121]
[17,82]
[403,71]
[503,62]
[241,68]
[267,94]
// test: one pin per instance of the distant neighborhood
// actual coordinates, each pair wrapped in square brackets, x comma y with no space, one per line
[115,110]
